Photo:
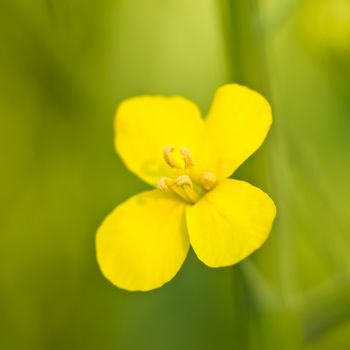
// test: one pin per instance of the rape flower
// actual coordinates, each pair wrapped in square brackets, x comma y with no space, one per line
[142,244]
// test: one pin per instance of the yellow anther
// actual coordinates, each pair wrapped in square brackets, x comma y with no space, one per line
[168,157]
[183,180]
[162,183]
[187,157]
[208,180]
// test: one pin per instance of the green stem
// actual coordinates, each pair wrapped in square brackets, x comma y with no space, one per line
[245,43]
[260,323]
[245,51]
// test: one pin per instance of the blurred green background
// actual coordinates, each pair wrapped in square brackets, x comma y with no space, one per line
[64,67]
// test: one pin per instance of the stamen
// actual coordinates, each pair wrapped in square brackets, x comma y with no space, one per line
[162,184]
[180,191]
[187,157]
[208,180]
[180,186]
[191,194]
[167,155]
[183,180]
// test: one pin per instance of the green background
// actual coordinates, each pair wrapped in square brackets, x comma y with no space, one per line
[65,66]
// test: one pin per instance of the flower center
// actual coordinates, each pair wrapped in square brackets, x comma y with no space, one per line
[187,185]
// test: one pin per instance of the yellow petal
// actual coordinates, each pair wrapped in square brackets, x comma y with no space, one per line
[238,122]
[229,222]
[142,244]
[146,125]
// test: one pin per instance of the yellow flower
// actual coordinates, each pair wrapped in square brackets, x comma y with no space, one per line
[142,244]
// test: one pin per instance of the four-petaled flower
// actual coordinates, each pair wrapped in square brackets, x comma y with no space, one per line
[142,244]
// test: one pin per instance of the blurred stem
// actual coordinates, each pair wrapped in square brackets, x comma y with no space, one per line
[261,319]
[244,38]
[245,51]
[245,43]
[260,324]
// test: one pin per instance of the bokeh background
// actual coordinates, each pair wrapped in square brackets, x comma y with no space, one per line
[64,67]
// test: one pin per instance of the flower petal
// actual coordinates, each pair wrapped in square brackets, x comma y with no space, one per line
[238,122]
[142,244]
[230,222]
[146,125]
